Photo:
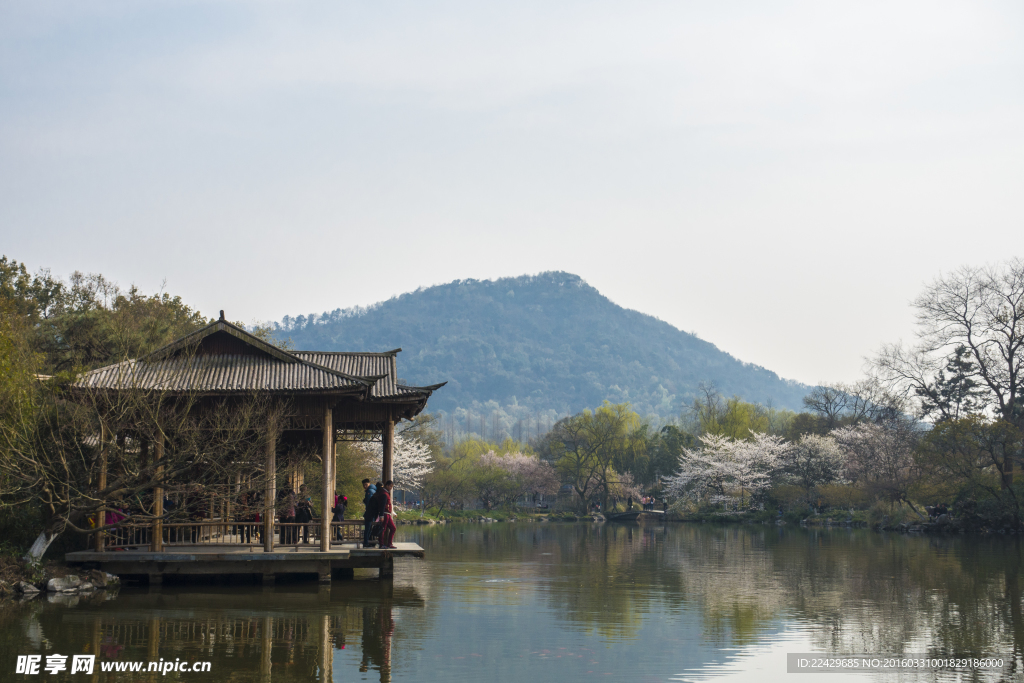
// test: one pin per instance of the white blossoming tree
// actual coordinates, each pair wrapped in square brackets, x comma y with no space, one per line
[881,457]
[412,461]
[724,468]
[813,461]
[504,479]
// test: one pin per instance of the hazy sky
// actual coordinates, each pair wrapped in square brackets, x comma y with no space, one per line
[779,177]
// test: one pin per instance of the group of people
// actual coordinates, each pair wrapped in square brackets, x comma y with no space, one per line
[647,503]
[292,510]
[192,505]
[937,510]
[298,509]
[379,514]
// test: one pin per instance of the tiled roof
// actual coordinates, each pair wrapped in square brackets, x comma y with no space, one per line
[223,358]
[228,373]
[381,367]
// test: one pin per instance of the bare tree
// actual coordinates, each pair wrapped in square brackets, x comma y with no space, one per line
[78,453]
[982,311]
[829,401]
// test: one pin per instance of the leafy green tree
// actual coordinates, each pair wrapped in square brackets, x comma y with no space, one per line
[805,423]
[51,331]
[664,450]
[587,447]
[711,414]
[966,459]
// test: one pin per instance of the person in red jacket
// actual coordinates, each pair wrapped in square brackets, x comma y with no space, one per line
[387,535]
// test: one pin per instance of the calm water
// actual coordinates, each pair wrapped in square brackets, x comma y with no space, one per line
[569,602]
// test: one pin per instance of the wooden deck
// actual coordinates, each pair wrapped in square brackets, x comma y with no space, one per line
[206,560]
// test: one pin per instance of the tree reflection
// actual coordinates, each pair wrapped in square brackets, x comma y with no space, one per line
[858,591]
[600,579]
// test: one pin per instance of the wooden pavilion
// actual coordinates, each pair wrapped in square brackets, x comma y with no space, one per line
[330,397]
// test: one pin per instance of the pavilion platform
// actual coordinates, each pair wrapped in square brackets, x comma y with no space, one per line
[339,562]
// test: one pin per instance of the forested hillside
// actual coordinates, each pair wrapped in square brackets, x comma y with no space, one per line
[550,343]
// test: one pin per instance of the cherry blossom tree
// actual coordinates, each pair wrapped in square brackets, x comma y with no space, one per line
[814,460]
[703,472]
[881,457]
[724,467]
[412,461]
[504,479]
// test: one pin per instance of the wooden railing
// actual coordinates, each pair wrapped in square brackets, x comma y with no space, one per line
[139,536]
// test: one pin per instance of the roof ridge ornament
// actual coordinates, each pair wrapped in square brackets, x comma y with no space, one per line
[222,315]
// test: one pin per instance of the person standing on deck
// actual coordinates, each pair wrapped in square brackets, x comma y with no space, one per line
[369,514]
[340,503]
[303,513]
[289,534]
[248,515]
[387,534]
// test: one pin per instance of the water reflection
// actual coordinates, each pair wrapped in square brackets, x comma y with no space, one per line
[287,633]
[569,602]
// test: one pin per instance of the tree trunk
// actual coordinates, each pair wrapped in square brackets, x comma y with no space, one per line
[39,547]
[914,508]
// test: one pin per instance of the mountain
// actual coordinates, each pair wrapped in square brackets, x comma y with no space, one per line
[550,344]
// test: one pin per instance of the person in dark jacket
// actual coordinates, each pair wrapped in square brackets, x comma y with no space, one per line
[303,513]
[340,504]
[369,514]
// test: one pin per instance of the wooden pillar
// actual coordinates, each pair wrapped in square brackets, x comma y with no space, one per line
[266,642]
[270,495]
[101,516]
[328,463]
[387,471]
[157,541]
[226,508]
[97,639]
[326,650]
[153,641]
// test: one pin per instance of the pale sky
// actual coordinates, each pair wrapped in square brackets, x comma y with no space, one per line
[779,177]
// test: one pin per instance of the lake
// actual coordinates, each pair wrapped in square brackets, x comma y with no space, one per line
[568,602]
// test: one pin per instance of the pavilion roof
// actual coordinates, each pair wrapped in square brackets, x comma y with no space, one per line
[223,358]
[382,366]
